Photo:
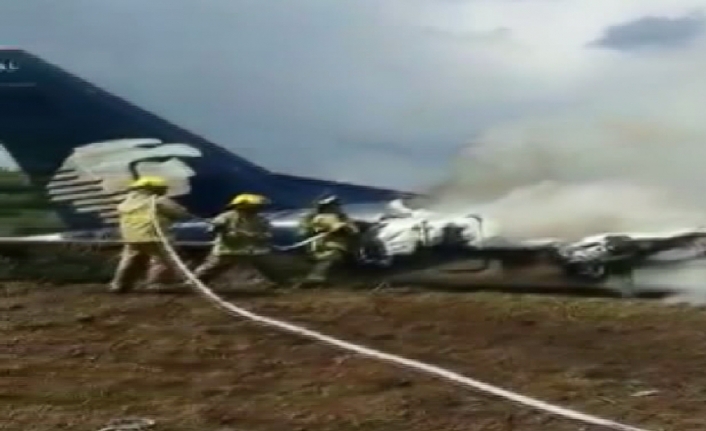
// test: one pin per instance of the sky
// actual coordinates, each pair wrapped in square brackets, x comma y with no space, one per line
[377,92]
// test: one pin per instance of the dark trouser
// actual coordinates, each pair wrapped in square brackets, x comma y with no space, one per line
[215,265]
[138,258]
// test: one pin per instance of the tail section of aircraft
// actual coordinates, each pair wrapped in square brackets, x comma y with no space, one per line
[83,146]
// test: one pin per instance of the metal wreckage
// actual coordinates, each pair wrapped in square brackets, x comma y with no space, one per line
[399,246]
[82,145]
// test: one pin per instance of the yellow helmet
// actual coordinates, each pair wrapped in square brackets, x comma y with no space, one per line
[149,181]
[249,199]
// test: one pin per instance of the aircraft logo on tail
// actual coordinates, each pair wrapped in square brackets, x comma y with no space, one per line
[96,176]
[8,66]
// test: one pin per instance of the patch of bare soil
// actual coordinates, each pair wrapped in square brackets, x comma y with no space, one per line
[76,357]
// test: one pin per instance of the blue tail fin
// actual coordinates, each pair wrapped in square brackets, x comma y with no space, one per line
[83,146]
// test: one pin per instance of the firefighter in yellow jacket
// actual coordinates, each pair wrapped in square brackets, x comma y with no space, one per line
[340,235]
[146,200]
[242,236]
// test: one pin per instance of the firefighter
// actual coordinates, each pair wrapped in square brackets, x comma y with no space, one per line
[142,246]
[326,204]
[242,236]
[340,235]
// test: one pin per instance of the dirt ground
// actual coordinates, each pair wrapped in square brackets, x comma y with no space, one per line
[74,357]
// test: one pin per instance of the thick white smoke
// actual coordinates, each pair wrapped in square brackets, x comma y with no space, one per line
[568,178]
[572,177]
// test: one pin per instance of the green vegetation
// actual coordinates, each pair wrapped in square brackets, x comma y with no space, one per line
[24,210]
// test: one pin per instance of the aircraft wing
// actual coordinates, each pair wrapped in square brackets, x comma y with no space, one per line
[405,232]
[651,237]
[677,244]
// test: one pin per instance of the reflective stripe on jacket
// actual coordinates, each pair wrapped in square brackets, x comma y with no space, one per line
[241,233]
[340,232]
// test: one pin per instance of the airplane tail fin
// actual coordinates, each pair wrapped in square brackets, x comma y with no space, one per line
[83,145]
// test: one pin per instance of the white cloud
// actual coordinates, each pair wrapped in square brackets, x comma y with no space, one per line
[399,82]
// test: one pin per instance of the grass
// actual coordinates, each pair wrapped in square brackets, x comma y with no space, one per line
[75,357]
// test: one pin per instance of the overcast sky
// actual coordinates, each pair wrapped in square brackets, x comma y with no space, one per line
[375,91]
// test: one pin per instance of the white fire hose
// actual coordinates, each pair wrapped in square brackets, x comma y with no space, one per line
[377,354]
